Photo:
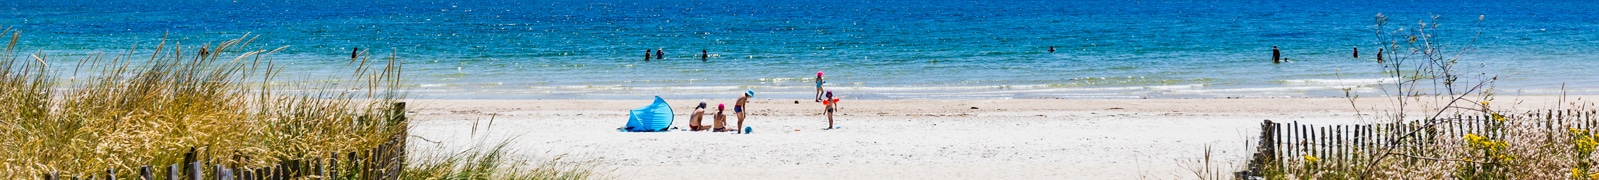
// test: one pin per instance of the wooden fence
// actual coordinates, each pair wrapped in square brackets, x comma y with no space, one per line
[386,161]
[1345,144]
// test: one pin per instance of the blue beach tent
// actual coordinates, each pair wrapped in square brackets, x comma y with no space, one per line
[655,117]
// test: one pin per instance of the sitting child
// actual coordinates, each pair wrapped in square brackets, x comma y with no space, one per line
[695,118]
[721,119]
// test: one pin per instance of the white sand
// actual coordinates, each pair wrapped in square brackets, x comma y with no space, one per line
[892,139]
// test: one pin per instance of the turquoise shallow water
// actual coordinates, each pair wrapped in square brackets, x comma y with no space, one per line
[869,49]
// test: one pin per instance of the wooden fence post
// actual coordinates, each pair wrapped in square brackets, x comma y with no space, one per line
[1267,144]
[245,173]
[1292,149]
[174,172]
[1305,140]
[195,172]
[1358,143]
[145,173]
[1321,146]
[355,165]
[223,173]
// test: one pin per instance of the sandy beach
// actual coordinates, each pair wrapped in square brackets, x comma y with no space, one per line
[894,139]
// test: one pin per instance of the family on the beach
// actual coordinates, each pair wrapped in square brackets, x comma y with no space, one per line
[740,108]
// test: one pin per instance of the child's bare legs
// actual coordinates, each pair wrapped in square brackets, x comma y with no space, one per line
[829,120]
[740,128]
[818,94]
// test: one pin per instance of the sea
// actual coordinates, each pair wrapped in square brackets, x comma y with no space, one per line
[868,49]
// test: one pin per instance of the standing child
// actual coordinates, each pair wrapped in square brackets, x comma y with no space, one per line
[819,86]
[832,104]
[738,109]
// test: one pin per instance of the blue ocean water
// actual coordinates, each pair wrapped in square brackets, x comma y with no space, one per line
[868,49]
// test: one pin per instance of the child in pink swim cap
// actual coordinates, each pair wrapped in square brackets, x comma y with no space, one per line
[819,86]
[721,119]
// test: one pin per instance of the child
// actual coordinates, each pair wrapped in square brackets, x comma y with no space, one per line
[695,118]
[832,104]
[721,119]
[819,86]
[738,108]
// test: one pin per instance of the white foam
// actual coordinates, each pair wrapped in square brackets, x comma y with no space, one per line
[1346,82]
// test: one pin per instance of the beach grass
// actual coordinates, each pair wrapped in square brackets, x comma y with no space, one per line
[1431,97]
[498,162]
[226,102]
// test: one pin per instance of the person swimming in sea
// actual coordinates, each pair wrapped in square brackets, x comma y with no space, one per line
[704,55]
[646,55]
[1357,52]
[1051,49]
[660,53]
[1379,55]
[739,107]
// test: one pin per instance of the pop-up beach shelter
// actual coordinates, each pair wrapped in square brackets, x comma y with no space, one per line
[650,118]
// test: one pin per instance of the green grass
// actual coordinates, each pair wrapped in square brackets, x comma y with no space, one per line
[497,162]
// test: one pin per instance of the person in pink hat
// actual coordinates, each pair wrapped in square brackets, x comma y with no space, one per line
[721,119]
[819,86]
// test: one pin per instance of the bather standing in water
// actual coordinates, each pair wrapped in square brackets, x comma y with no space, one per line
[1276,56]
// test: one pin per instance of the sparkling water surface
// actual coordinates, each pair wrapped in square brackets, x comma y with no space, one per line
[868,49]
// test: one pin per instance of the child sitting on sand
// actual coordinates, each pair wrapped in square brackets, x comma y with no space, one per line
[695,118]
[832,104]
[721,119]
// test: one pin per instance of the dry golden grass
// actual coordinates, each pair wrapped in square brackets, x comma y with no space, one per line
[126,111]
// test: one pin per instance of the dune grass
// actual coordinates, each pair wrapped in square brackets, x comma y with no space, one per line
[497,162]
[1432,94]
[227,102]
[126,111]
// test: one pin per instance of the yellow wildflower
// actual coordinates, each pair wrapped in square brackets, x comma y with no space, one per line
[1312,159]
[1473,138]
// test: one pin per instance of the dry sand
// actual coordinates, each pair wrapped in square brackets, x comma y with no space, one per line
[893,139]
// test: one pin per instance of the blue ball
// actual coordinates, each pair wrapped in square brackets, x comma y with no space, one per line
[747,130]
